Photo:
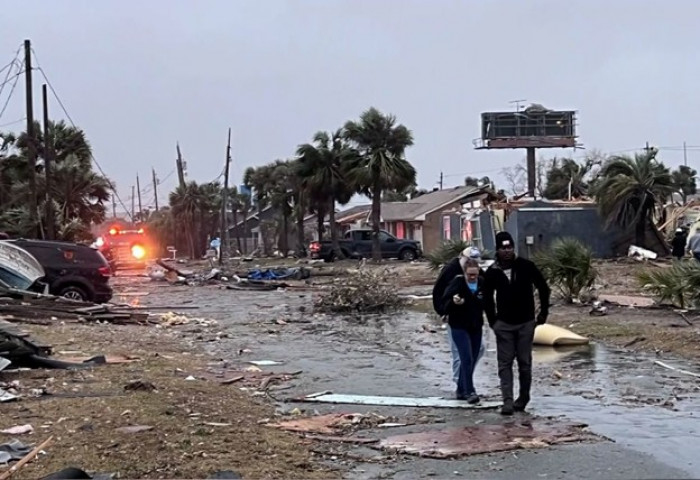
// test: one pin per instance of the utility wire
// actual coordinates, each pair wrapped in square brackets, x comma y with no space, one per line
[12,90]
[65,112]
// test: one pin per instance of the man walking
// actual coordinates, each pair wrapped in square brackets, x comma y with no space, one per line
[452,269]
[512,317]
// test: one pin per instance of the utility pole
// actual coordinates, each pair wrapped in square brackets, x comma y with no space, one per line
[138,189]
[31,137]
[180,170]
[224,200]
[685,155]
[441,180]
[155,187]
[133,200]
[114,205]
[48,165]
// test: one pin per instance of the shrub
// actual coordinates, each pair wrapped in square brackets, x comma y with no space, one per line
[678,284]
[568,267]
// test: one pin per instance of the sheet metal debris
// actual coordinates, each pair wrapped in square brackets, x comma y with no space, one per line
[628,300]
[435,402]
[486,439]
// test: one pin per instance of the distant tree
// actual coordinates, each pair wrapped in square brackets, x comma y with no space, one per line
[478,182]
[516,177]
[684,181]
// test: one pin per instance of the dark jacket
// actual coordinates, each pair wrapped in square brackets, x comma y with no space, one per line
[469,315]
[515,300]
[679,243]
[448,272]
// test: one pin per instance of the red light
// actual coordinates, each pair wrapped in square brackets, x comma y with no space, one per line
[140,230]
[113,231]
[105,271]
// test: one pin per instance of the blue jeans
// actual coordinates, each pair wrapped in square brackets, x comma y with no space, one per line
[455,356]
[468,346]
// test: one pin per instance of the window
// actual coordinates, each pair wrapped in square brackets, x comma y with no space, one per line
[383,236]
[475,225]
[446,234]
[400,230]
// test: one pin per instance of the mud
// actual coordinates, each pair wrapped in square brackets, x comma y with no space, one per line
[647,411]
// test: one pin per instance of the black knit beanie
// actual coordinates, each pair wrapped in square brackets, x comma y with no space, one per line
[504,239]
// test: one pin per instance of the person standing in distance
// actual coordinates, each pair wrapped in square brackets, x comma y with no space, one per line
[512,317]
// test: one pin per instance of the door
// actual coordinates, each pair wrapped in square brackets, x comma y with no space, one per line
[363,243]
[390,247]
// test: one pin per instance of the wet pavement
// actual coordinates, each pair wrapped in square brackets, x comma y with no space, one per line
[647,413]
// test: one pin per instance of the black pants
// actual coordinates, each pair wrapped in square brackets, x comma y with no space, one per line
[514,342]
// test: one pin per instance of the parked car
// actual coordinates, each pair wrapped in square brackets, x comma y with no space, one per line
[358,244]
[71,270]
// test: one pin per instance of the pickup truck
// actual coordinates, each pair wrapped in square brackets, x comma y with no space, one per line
[358,244]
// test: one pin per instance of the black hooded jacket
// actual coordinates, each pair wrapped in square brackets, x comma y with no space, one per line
[449,272]
[470,314]
[515,299]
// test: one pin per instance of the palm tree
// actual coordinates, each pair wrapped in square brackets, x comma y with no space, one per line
[280,199]
[380,164]
[566,177]
[629,190]
[322,166]
[184,202]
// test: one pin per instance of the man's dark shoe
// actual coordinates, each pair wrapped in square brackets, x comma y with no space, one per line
[520,404]
[473,399]
[507,408]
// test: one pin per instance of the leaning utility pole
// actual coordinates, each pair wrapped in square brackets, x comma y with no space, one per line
[48,165]
[155,186]
[180,169]
[31,138]
[114,205]
[138,189]
[133,200]
[224,200]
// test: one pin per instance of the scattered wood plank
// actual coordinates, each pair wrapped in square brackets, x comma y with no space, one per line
[26,459]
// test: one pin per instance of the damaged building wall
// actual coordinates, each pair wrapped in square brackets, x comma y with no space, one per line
[536,225]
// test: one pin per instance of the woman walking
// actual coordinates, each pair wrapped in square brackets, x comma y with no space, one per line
[462,301]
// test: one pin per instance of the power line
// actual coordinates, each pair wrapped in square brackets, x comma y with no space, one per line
[65,112]
[12,90]
[13,123]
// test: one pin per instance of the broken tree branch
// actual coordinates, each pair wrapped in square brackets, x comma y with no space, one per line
[26,459]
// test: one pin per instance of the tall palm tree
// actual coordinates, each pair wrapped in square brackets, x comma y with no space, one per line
[380,164]
[322,166]
[184,202]
[280,199]
[629,190]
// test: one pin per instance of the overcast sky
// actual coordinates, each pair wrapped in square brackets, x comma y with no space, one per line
[139,76]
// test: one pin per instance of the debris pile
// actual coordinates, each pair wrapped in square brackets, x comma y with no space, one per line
[25,307]
[364,291]
[171,319]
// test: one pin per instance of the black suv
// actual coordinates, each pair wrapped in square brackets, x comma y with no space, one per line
[73,271]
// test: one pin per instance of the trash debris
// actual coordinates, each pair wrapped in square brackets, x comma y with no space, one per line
[134,429]
[26,459]
[331,423]
[18,430]
[435,402]
[140,386]
[598,310]
[171,319]
[265,363]
[364,291]
[486,439]
[669,367]
[628,300]
[639,253]
[7,396]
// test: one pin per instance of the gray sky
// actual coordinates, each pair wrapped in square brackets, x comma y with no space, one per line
[138,76]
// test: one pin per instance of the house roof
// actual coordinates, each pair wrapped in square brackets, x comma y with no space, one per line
[352,212]
[416,208]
